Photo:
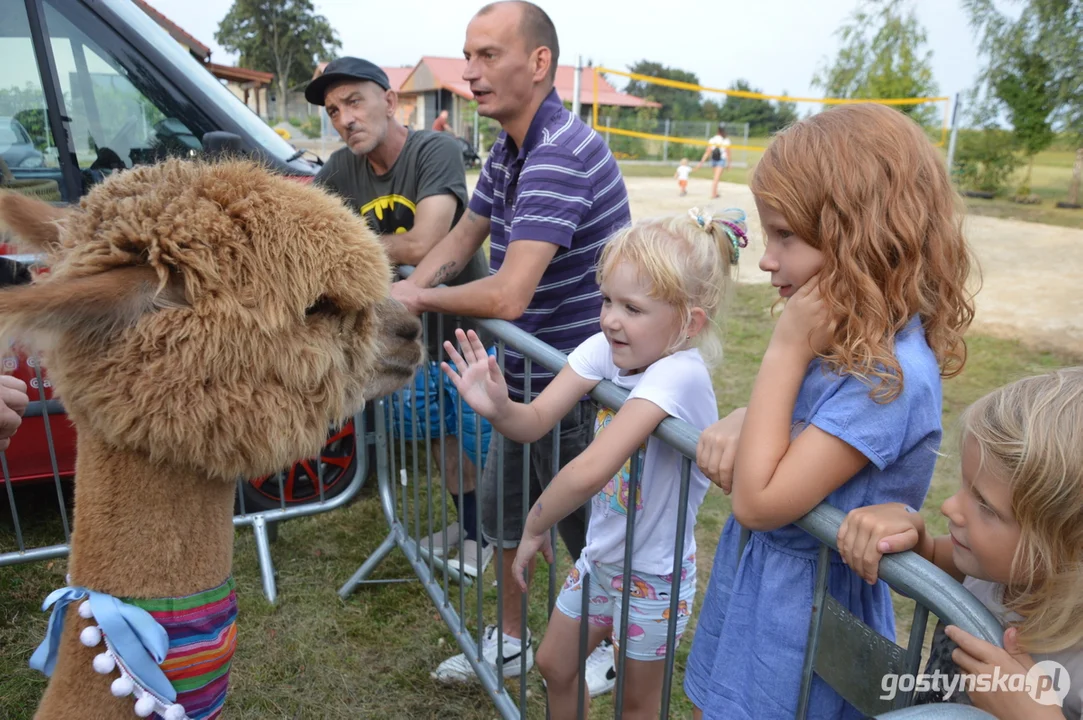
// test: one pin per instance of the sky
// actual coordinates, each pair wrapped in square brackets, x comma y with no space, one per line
[776,45]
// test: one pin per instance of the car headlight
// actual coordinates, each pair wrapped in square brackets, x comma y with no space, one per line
[31,161]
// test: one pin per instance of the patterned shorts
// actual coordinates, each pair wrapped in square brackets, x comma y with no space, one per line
[648,610]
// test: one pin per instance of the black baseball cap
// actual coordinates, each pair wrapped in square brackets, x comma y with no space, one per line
[345,68]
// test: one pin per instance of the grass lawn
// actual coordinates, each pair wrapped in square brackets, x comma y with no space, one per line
[1049,180]
[315,656]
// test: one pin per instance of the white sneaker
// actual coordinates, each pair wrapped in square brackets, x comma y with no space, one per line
[601,669]
[436,540]
[467,559]
[458,669]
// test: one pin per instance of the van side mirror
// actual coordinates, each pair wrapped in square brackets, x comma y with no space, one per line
[219,143]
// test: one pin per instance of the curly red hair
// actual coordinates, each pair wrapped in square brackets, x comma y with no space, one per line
[862,184]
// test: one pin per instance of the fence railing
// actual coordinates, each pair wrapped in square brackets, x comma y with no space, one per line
[833,629]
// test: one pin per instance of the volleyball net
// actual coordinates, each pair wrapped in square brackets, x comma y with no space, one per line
[651,137]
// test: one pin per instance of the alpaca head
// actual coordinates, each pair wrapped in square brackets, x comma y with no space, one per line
[211,316]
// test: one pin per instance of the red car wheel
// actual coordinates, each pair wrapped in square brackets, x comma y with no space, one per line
[300,482]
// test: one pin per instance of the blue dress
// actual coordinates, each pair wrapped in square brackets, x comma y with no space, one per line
[750,640]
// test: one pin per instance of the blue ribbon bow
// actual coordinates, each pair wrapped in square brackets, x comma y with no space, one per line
[137,638]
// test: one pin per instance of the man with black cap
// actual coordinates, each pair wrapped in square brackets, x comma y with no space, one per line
[410,186]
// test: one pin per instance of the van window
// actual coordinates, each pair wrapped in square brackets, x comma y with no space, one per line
[28,159]
[118,118]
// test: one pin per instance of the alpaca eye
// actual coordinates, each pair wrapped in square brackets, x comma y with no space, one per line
[323,305]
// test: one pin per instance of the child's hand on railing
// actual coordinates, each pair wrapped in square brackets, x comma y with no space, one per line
[478,379]
[869,533]
[529,547]
[980,658]
[717,449]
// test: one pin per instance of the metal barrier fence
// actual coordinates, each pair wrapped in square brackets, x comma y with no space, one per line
[261,521]
[842,650]
[835,636]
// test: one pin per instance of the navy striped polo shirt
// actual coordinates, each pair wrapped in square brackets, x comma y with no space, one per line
[564,187]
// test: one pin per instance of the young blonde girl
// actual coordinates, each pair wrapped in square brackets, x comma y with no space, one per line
[863,241]
[1015,539]
[663,283]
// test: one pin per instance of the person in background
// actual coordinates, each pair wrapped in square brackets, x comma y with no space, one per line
[718,151]
[410,186]
[441,124]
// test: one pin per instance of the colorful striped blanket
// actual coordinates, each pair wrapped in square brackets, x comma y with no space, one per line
[202,631]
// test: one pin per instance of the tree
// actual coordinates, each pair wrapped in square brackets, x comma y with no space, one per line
[882,56]
[710,110]
[1026,88]
[286,35]
[677,103]
[761,117]
[985,157]
[785,113]
[1052,30]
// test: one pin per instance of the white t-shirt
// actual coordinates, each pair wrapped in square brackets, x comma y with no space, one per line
[990,594]
[683,171]
[680,384]
[718,142]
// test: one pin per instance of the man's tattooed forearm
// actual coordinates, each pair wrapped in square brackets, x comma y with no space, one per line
[471,215]
[538,509]
[446,272]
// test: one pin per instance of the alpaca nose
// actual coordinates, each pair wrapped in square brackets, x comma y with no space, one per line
[409,328]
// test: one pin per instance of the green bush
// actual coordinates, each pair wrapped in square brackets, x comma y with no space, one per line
[295,122]
[985,159]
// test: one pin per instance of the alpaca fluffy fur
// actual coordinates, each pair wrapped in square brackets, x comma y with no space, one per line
[204,322]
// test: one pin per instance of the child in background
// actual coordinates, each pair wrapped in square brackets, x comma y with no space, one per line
[683,171]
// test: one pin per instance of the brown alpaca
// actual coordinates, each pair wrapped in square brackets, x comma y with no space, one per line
[202,322]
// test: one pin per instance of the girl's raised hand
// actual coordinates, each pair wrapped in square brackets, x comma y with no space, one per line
[869,533]
[804,323]
[717,449]
[478,379]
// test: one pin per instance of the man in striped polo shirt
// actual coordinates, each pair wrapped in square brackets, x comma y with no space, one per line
[549,196]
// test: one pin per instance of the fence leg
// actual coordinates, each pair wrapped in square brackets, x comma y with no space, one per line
[370,564]
[263,552]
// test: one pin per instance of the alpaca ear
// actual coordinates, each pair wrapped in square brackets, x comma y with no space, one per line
[92,305]
[35,224]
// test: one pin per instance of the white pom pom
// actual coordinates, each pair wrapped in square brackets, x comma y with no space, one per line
[104,663]
[90,636]
[84,610]
[145,705]
[122,687]
[175,712]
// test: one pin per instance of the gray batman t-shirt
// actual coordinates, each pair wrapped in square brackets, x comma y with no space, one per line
[431,163]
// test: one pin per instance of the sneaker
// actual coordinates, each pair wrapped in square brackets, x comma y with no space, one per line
[601,670]
[468,558]
[458,669]
[436,540]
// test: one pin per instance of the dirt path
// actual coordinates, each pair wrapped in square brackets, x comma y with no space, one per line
[1030,272]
